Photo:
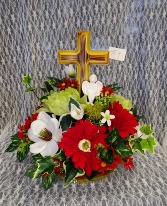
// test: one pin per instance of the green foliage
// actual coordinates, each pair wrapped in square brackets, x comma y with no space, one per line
[94,174]
[113,135]
[37,157]
[106,155]
[23,151]
[48,86]
[15,143]
[123,150]
[146,129]
[134,110]
[114,86]
[71,172]
[47,181]
[65,122]
[26,79]
[60,155]
[30,89]
[54,81]
[141,145]
[41,166]
[126,103]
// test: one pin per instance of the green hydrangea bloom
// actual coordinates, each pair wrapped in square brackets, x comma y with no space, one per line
[57,102]
[126,103]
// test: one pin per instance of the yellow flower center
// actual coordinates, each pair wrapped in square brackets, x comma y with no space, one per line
[84,145]
[103,164]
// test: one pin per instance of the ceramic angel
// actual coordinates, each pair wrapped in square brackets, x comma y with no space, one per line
[92,88]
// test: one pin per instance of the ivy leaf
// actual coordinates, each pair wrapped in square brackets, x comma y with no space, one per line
[123,150]
[65,121]
[75,102]
[71,172]
[30,89]
[26,79]
[113,135]
[146,129]
[148,144]
[60,155]
[47,181]
[136,146]
[23,151]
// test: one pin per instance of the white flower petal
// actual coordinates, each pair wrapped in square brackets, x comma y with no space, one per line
[107,112]
[38,147]
[44,117]
[102,114]
[57,135]
[53,125]
[112,116]
[33,137]
[51,148]
[103,120]
[109,123]
[37,126]
[76,113]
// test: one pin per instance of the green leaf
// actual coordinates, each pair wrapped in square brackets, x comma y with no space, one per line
[60,155]
[136,146]
[71,172]
[43,97]
[37,157]
[123,150]
[148,144]
[113,135]
[54,81]
[26,79]
[30,89]
[23,151]
[13,146]
[106,155]
[75,102]
[65,122]
[47,181]
[43,89]
[30,171]
[146,129]
[93,174]
[48,86]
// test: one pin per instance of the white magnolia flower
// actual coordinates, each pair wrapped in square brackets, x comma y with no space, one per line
[45,132]
[107,117]
[92,88]
[76,113]
[70,71]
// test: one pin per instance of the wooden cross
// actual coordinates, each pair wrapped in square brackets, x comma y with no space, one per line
[83,56]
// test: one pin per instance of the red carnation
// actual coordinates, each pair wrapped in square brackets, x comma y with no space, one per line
[124,121]
[67,82]
[128,163]
[80,142]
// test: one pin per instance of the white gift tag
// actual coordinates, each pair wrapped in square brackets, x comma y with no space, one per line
[117,54]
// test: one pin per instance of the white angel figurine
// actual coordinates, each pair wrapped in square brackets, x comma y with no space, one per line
[92,88]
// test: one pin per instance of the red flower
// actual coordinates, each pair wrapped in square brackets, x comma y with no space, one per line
[106,91]
[20,135]
[128,163]
[27,123]
[34,116]
[80,142]
[67,82]
[124,121]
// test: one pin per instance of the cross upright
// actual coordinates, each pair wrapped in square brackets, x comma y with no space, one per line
[83,56]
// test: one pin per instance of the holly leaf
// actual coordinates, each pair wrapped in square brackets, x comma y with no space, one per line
[48,180]
[113,135]
[106,155]
[54,81]
[60,155]
[30,89]
[93,175]
[37,157]
[136,146]
[65,122]
[48,86]
[23,151]
[146,129]
[30,172]
[71,172]
[148,144]
[26,79]
[123,150]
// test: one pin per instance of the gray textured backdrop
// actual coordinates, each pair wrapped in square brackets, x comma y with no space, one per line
[31,32]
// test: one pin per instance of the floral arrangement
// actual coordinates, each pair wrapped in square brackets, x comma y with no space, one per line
[80,137]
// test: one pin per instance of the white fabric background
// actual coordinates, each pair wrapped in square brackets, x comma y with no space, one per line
[31,32]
